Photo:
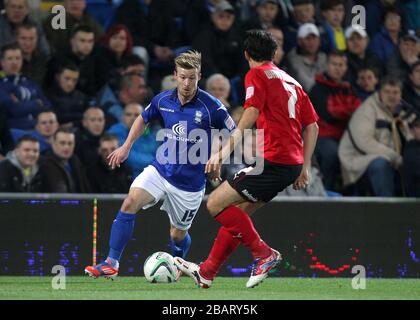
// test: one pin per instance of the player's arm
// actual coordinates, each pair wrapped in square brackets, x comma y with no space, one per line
[310,136]
[247,120]
[121,154]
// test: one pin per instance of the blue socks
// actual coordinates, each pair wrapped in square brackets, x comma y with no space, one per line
[121,233]
[181,248]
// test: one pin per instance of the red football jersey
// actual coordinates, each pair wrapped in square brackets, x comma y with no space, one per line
[284,110]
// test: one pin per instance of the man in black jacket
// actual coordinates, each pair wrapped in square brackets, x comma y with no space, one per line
[63,171]
[20,172]
[101,177]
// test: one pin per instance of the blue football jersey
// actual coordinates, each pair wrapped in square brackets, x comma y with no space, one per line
[186,133]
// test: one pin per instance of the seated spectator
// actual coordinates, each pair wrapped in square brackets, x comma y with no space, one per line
[101,177]
[219,86]
[385,43]
[76,15]
[267,12]
[63,171]
[132,89]
[34,61]
[407,54]
[366,82]
[80,53]
[279,37]
[144,149]
[22,98]
[411,91]
[6,142]
[370,149]
[358,54]
[87,138]
[334,102]
[332,34]
[115,45]
[46,126]
[303,12]
[20,171]
[306,60]
[220,44]
[411,160]
[168,83]
[17,13]
[68,102]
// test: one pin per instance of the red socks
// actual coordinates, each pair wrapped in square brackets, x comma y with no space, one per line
[224,245]
[236,226]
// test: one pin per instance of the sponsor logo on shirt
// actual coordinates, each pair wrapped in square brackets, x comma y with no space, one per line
[166,109]
[249,92]
[198,116]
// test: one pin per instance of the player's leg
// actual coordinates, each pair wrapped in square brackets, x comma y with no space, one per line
[180,242]
[145,190]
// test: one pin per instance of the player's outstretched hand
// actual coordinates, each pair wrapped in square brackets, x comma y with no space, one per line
[118,156]
[213,165]
[303,180]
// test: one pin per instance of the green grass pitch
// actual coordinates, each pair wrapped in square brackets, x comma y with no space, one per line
[125,288]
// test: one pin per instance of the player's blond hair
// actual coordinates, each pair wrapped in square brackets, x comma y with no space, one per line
[189,60]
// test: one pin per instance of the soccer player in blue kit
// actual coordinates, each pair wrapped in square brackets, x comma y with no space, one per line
[180,184]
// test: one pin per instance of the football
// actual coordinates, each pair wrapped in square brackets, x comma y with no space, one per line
[160,268]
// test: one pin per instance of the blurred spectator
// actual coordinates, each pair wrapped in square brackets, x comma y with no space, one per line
[303,12]
[411,91]
[22,98]
[306,60]
[366,82]
[385,42]
[132,89]
[101,177]
[144,149]
[358,55]
[334,102]
[116,44]
[219,86]
[46,126]
[279,37]
[82,42]
[6,142]
[168,83]
[220,44]
[63,171]
[332,33]
[68,102]
[34,61]
[20,171]
[407,54]
[267,11]
[87,138]
[75,16]
[411,159]
[370,150]
[17,13]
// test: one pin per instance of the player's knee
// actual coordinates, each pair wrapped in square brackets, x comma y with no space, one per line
[212,206]
[129,205]
[177,235]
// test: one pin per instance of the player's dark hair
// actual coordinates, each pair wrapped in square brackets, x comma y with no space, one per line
[24,138]
[260,45]
[8,47]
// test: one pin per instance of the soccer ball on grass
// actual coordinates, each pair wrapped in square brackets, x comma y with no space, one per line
[160,268]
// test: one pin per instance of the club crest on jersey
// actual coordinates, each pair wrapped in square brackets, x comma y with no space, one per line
[198,116]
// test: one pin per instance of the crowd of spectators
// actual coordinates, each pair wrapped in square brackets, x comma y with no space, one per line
[68,97]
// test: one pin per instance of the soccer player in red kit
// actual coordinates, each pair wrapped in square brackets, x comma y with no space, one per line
[279,106]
